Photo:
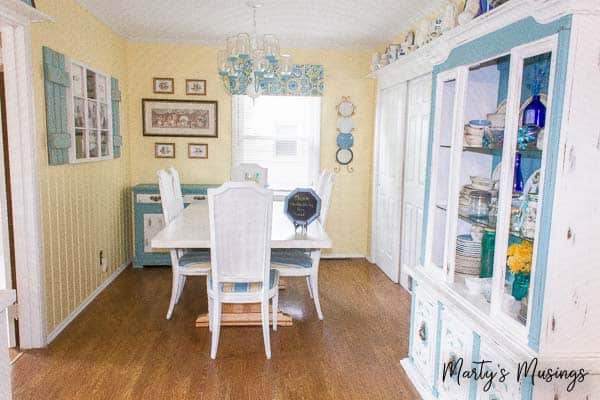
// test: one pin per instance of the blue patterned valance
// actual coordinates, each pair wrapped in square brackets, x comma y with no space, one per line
[305,80]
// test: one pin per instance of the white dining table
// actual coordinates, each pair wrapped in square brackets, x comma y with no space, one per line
[191,230]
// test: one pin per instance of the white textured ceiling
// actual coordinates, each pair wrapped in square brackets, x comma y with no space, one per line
[329,24]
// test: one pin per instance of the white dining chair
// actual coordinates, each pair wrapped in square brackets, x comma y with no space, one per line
[250,173]
[183,263]
[305,262]
[240,215]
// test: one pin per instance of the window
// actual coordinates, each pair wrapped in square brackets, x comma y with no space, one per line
[90,115]
[281,133]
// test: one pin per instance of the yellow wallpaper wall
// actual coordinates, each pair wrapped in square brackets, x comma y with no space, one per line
[345,73]
[86,207]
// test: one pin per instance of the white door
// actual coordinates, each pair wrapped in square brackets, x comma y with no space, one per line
[415,164]
[388,180]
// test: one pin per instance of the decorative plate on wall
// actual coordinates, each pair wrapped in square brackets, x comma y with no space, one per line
[345,108]
[345,140]
[344,156]
[345,124]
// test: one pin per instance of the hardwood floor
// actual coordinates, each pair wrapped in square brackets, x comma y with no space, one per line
[122,347]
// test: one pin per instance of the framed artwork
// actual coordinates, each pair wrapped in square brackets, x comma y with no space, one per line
[195,87]
[164,85]
[191,118]
[197,150]
[164,150]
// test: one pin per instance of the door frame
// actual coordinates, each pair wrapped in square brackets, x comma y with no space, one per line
[15,25]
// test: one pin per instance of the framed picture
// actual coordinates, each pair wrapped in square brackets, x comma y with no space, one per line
[164,150]
[192,118]
[197,150]
[196,87]
[164,85]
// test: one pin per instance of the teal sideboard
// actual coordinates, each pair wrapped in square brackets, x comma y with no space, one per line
[149,220]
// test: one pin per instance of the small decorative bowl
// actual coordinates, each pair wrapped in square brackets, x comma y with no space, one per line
[479,123]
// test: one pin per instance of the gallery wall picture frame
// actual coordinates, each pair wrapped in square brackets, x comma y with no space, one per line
[164,150]
[163,85]
[180,118]
[195,87]
[197,150]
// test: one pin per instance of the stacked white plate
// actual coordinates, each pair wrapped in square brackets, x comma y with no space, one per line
[468,255]
[464,201]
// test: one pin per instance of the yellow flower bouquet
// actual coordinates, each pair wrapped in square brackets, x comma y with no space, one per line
[519,256]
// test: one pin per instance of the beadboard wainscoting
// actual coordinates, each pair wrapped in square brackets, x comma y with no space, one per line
[85,208]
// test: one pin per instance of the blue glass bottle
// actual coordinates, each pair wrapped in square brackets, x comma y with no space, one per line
[518,175]
[535,112]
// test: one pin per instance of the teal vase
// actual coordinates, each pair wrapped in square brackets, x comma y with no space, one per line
[520,286]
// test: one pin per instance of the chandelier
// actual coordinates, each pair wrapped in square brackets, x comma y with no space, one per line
[250,62]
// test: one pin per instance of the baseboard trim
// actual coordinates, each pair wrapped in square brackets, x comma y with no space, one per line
[60,327]
[342,255]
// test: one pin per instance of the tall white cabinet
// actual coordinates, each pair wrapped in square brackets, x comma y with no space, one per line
[528,290]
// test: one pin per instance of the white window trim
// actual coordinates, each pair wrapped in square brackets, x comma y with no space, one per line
[236,128]
[71,115]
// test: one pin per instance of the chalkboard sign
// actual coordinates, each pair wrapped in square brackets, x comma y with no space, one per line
[302,206]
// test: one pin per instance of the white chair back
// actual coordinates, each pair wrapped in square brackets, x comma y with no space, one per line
[168,197]
[240,233]
[177,190]
[250,173]
[324,189]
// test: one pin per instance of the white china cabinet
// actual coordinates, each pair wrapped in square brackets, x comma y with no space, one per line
[509,264]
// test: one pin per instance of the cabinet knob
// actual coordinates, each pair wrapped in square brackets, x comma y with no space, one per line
[155,198]
[199,197]
[423,332]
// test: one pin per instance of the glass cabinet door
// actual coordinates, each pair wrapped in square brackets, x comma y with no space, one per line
[477,157]
[522,179]
[447,104]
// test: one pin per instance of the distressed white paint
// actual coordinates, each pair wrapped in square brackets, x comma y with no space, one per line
[354,24]
[571,315]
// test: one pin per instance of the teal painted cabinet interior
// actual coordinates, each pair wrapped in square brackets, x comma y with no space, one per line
[149,220]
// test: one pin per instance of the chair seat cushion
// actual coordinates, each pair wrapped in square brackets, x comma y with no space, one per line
[194,259]
[290,258]
[245,287]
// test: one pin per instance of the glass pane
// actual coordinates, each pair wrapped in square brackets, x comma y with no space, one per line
[80,144]
[91,84]
[79,113]
[77,80]
[472,252]
[104,143]
[527,177]
[93,143]
[92,116]
[103,116]
[102,94]
[441,182]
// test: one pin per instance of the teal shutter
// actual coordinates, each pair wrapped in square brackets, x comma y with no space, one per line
[115,96]
[56,82]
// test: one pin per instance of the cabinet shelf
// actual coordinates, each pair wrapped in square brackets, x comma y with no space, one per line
[535,154]
[484,223]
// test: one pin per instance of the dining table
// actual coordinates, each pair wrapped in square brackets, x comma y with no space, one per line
[191,230]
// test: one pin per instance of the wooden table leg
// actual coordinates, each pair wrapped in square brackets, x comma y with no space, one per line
[243,315]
